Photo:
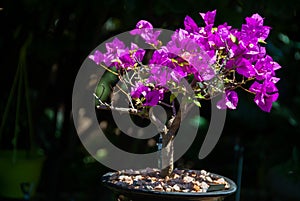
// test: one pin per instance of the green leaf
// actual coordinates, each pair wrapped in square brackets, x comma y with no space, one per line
[199,96]
[197,103]
[233,38]
[190,77]
[262,41]
[173,96]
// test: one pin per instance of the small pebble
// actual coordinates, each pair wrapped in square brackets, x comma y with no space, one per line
[158,188]
[208,179]
[196,188]
[176,187]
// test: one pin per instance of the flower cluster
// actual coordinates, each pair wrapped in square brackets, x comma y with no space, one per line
[213,59]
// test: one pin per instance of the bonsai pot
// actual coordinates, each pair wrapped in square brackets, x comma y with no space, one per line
[138,190]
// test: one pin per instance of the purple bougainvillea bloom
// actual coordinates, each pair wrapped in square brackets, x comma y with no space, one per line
[115,50]
[265,68]
[143,24]
[153,97]
[194,59]
[255,20]
[115,45]
[265,94]
[97,57]
[232,99]
[252,47]
[139,90]
[178,42]
[146,31]
[201,68]
[254,28]
[244,67]
[129,60]
[161,58]
[274,79]
[190,25]
[177,74]
[224,31]
[229,100]
[151,37]
[209,17]
[166,66]
[160,75]
[139,55]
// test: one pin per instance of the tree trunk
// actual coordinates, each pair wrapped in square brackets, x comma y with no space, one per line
[167,153]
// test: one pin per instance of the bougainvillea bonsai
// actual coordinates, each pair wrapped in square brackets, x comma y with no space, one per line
[213,60]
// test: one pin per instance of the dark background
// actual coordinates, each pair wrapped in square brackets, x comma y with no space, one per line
[63,34]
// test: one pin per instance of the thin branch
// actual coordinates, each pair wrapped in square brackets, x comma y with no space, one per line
[162,128]
[106,68]
[128,96]
[173,108]
[247,90]
[121,110]
[165,104]
[128,79]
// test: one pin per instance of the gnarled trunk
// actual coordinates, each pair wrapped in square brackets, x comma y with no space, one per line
[167,153]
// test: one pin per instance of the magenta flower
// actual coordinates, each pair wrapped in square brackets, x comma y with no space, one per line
[142,24]
[254,28]
[161,57]
[190,25]
[244,67]
[129,60]
[164,68]
[153,97]
[265,68]
[229,100]
[146,31]
[265,94]
[97,57]
[139,90]
[115,45]
[252,47]
[181,42]
[187,48]
[115,50]
[209,17]
[224,31]
[160,75]
[201,68]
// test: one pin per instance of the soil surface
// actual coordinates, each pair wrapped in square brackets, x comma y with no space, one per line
[195,181]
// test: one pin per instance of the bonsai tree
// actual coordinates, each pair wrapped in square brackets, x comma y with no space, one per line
[198,63]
